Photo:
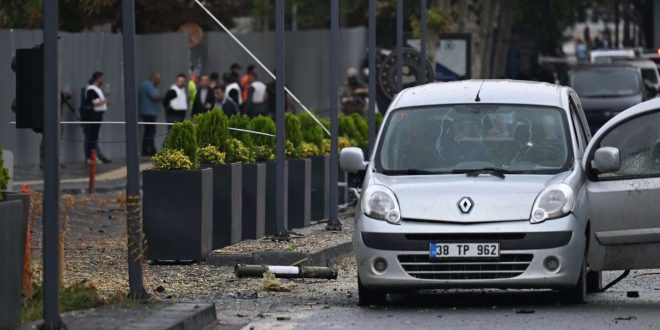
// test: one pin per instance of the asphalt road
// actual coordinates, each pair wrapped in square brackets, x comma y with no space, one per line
[332,305]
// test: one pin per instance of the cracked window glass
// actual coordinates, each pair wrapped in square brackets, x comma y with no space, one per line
[638,141]
[450,138]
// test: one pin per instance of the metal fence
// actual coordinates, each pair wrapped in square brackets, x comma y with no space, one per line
[80,54]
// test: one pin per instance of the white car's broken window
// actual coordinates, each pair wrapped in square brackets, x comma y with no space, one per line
[516,138]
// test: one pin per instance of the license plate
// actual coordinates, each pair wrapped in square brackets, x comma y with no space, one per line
[465,250]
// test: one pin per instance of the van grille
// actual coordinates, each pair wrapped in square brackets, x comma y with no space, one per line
[506,266]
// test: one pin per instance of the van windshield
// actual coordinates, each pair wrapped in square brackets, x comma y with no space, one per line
[606,81]
[461,138]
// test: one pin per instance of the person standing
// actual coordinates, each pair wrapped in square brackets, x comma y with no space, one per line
[149,105]
[175,102]
[224,102]
[95,107]
[203,101]
[257,97]
[354,94]
[246,81]
[214,80]
[233,89]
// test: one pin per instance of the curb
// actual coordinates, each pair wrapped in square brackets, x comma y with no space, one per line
[180,316]
[321,258]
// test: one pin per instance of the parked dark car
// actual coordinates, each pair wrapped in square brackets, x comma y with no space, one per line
[606,90]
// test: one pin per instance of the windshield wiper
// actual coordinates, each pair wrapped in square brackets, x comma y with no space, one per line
[411,171]
[473,172]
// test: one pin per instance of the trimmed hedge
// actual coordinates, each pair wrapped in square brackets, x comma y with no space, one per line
[183,137]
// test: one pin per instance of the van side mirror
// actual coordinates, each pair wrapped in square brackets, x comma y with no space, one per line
[352,160]
[606,160]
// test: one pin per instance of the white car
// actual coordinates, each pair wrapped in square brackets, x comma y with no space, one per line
[498,184]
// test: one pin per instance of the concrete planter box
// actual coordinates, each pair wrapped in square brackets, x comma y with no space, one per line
[227,204]
[178,212]
[320,187]
[254,201]
[271,225]
[300,193]
[13,226]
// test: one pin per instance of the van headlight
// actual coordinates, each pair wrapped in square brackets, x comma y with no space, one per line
[553,202]
[379,202]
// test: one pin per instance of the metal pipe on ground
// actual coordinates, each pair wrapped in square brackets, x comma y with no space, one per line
[242,271]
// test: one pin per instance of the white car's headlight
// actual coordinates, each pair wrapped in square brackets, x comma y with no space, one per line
[379,202]
[553,202]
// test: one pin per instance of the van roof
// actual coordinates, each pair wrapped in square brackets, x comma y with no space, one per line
[496,91]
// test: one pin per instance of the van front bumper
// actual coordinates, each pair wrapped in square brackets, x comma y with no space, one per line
[524,249]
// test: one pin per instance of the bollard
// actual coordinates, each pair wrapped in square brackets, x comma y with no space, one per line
[285,271]
[92,170]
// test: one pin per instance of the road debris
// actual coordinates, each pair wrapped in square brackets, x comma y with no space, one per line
[626,318]
[525,311]
[285,271]
[632,294]
[272,284]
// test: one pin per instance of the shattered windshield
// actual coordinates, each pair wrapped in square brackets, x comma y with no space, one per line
[452,138]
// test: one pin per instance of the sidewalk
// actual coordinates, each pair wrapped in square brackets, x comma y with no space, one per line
[95,251]
[74,177]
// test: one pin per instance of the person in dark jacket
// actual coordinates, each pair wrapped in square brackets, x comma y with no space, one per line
[228,106]
[95,106]
[204,100]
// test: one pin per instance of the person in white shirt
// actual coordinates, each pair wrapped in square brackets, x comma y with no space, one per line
[95,106]
[176,101]
[257,96]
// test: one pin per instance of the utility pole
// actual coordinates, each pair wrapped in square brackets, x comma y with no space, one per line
[279,119]
[133,205]
[51,199]
[333,222]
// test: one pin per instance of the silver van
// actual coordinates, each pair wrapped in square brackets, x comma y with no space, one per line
[499,184]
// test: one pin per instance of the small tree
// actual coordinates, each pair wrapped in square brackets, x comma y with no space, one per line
[212,129]
[263,124]
[293,130]
[182,137]
[311,131]
[240,122]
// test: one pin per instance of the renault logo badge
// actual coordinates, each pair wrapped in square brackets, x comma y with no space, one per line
[465,205]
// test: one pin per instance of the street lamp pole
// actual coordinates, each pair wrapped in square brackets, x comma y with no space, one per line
[279,119]
[333,222]
[372,75]
[133,205]
[51,250]
[422,39]
[399,45]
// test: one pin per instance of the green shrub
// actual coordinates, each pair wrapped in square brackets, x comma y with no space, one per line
[290,151]
[263,124]
[171,159]
[347,128]
[307,150]
[293,130]
[311,131]
[212,129]
[326,124]
[362,128]
[240,122]
[263,153]
[182,137]
[210,155]
[238,152]
[4,176]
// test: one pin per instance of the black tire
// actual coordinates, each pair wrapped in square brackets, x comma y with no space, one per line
[594,281]
[578,293]
[370,296]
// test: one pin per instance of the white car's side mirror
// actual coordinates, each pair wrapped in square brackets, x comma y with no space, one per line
[606,160]
[352,160]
